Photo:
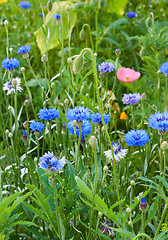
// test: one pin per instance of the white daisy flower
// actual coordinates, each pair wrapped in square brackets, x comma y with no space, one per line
[10,87]
[119,153]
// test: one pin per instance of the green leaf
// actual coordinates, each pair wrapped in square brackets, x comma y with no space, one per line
[50,26]
[116,6]
[165,183]
[151,212]
[162,235]
[23,223]
[124,232]
[35,83]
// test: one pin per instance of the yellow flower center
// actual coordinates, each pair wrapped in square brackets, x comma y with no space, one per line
[127,77]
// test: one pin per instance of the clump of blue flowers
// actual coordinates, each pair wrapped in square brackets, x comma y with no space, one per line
[159,121]
[49,114]
[24,4]
[86,129]
[96,118]
[50,163]
[131,14]
[10,64]
[57,17]
[136,138]
[36,126]
[24,49]
[79,114]
[131,98]
[106,67]
[164,68]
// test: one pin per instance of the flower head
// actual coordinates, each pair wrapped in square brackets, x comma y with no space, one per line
[105,229]
[127,75]
[96,118]
[24,136]
[36,126]
[78,113]
[136,138]
[9,87]
[159,121]
[123,116]
[24,4]
[143,205]
[131,98]
[49,114]
[50,163]
[164,68]
[131,14]
[57,17]
[119,153]
[10,64]
[106,67]
[86,129]
[24,49]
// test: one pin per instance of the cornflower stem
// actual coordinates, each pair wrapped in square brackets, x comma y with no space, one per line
[62,43]
[28,90]
[166,97]
[161,163]
[116,68]
[96,25]
[133,117]
[50,135]
[143,222]
[1,197]
[131,195]
[27,116]
[15,107]
[78,149]
[161,220]
[31,69]
[56,203]
[95,160]
[46,78]
[27,162]
[164,171]
[158,88]
[7,41]
[105,128]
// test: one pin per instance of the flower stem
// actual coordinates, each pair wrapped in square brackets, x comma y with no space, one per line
[16,124]
[143,223]
[162,218]
[105,128]
[78,148]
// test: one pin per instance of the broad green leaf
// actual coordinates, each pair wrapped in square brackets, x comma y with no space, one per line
[162,235]
[123,232]
[163,181]
[34,83]
[52,29]
[23,223]
[117,6]
[151,212]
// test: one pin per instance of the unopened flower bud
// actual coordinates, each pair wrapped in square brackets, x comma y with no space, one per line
[100,214]
[143,96]
[10,49]
[24,137]
[105,169]
[67,7]
[36,133]
[25,55]
[128,210]
[82,102]
[93,141]
[9,108]
[22,69]
[26,102]
[82,35]
[35,159]
[74,123]
[25,124]
[6,131]
[52,85]
[10,135]
[56,101]
[132,183]
[69,60]
[44,58]
[78,64]
[66,101]
[117,51]
[6,22]
[164,145]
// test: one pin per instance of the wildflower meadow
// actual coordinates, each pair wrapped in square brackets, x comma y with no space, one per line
[83,119]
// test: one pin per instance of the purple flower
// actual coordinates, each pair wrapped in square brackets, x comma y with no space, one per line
[50,163]
[10,64]
[131,14]
[24,49]
[131,98]
[106,67]
[24,4]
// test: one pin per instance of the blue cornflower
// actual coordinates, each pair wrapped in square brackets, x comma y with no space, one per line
[143,205]
[159,121]
[24,4]
[57,17]
[49,114]
[136,138]
[164,68]
[41,15]
[24,49]
[131,98]
[106,67]
[10,64]
[37,126]
[96,118]
[104,228]
[78,113]
[51,163]
[24,136]
[131,14]
[86,129]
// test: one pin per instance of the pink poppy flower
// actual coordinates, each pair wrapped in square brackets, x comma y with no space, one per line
[127,75]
